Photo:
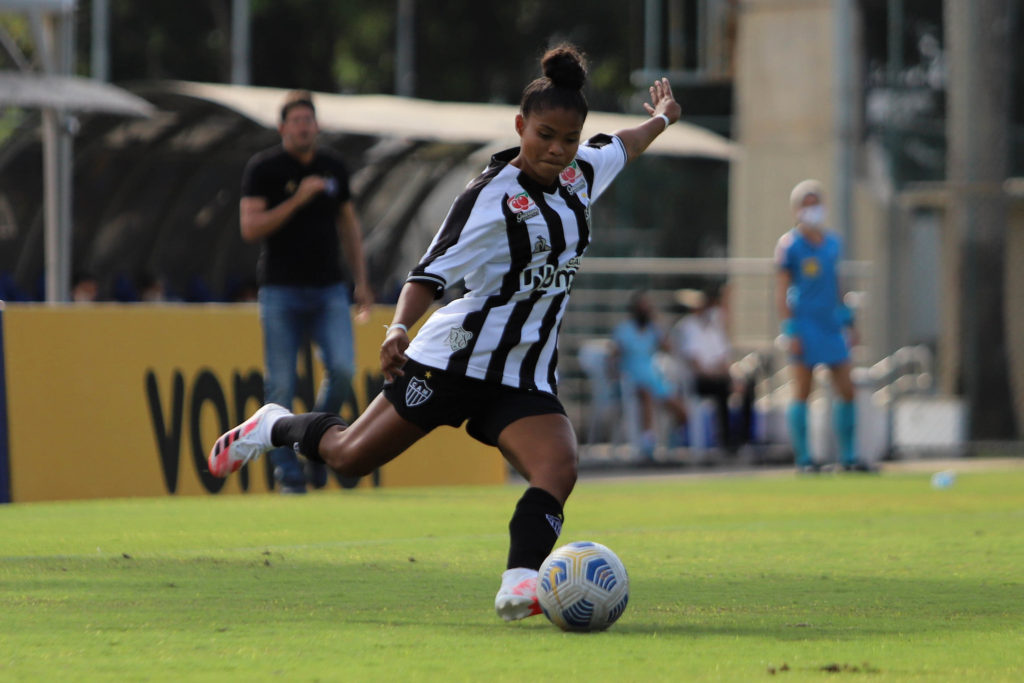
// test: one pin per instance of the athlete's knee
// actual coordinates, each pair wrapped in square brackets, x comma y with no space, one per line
[568,469]
[557,474]
[342,455]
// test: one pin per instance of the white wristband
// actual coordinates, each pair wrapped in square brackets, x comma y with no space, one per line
[392,326]
[664,118]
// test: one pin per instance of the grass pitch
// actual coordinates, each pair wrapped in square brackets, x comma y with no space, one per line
[733,579]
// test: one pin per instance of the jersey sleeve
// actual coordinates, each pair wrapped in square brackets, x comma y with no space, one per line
[688,344]
[339,171]
[607,155]
[255,180]
[783,251]
[466,240]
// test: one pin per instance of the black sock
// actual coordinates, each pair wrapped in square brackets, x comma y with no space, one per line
[535,526]
[303,432]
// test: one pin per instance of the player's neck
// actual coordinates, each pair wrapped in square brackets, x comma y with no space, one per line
[813,235]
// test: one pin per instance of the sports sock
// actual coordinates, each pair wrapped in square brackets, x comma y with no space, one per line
[534,528]
[844,419]
[304,432]
[796,417]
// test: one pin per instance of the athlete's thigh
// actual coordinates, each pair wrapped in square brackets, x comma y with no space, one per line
[803,379]
[376,437]
[842,382]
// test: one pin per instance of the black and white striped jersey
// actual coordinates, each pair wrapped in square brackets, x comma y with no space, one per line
[518,246]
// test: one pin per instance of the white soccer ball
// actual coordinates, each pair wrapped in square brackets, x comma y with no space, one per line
[583,586]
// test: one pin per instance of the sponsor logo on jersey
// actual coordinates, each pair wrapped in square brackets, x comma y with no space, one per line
[548,277]
[572,178]
[541,245]
[458,338]
[523,207]
[417,392]
[810,267]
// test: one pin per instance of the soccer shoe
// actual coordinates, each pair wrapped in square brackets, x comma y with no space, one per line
[247,441]
[517,597]
[860,466]
[315,473]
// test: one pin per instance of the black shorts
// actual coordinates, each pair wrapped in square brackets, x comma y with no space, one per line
[429,397]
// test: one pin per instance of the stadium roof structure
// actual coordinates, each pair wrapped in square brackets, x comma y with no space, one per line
[69,92]
[433,120]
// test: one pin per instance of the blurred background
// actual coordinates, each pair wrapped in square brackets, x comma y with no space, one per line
[124,127]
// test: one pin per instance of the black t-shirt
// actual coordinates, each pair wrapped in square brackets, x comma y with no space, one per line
[306,250]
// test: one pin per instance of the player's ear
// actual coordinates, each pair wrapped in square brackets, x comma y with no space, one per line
[520,124]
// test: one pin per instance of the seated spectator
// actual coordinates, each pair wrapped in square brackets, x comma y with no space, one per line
[700,340]
[85,288]
[637,341]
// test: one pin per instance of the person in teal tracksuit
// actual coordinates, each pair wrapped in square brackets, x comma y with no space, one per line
[818,325]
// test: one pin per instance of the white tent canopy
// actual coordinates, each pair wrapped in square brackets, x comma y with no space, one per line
[432,120]
[71,93]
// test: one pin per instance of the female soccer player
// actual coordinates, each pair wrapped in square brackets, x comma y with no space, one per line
[516,235]
[814,316]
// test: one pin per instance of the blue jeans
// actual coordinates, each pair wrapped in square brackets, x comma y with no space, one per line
[289,316]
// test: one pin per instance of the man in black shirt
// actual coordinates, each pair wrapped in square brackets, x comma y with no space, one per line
[296,202]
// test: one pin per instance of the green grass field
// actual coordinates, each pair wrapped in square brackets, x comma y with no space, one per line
[739,578]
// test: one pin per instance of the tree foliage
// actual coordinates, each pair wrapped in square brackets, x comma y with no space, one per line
[464,49]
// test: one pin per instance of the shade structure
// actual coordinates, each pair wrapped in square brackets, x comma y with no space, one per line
[70,93]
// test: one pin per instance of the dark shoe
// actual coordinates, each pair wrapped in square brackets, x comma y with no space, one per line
[316,474]
[288,482]
[810,468]
[860,467]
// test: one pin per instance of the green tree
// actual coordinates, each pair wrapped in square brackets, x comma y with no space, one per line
[465,49]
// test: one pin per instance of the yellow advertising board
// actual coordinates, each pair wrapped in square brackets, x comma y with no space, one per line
[112,400]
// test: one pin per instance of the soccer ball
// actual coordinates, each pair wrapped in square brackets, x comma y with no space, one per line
[583,586]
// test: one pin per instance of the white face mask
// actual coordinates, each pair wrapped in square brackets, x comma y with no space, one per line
[812,216]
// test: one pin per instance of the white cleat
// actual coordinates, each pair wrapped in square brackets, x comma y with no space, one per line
[246,442]
[517,597]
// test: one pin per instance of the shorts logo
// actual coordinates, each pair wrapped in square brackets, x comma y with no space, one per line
[523,207]
[572,178]
[417,392]
[458,338]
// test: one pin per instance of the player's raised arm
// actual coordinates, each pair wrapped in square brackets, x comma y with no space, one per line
[664,111]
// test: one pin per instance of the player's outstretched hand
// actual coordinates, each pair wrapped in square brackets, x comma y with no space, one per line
[663,101]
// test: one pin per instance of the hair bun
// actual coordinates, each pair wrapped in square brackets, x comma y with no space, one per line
[565,66]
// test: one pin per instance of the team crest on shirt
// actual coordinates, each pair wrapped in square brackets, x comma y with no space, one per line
[541,245]
[572,178]
[458,338]
[810,267]
[523,207]
[417,392]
